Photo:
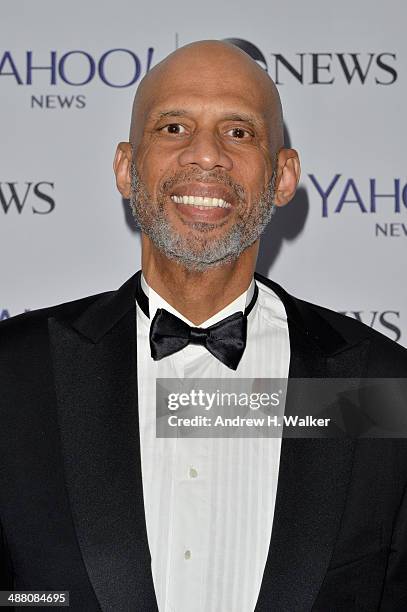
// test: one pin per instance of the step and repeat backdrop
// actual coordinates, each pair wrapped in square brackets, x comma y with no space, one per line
[68,74]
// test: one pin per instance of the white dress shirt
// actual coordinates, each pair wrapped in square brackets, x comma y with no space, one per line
[209,502]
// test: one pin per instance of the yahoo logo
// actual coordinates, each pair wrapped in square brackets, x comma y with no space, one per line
[369,196]
[76,67]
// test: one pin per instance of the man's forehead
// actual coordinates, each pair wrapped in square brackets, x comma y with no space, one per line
[220,106]
[216,79]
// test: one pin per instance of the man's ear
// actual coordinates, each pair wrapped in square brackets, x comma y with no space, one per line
[288,175]
[121,167]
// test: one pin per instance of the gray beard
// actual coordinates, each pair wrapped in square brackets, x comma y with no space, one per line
[197,251]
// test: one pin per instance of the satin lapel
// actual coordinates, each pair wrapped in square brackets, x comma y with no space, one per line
[313,480]
[96,387]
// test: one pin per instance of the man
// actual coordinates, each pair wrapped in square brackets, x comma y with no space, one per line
[90,500]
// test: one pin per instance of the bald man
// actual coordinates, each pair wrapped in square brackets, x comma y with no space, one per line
[91,501]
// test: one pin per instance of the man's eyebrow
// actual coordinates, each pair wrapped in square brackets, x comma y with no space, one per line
[250,119]
[179,112]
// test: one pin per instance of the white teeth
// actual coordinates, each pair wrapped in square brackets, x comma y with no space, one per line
[201,202]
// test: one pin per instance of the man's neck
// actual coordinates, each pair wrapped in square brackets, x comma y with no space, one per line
[197,295]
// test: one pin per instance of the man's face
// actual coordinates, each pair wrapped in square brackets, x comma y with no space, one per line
[202,174]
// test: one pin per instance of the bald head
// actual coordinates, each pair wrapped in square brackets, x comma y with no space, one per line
[218,69]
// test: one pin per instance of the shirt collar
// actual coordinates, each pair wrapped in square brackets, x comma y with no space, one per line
[239,304]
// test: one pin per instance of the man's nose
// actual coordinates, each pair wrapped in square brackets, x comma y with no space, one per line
[205,150]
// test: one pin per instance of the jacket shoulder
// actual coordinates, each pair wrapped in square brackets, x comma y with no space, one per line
[382,350]
[324,323]
[35,322]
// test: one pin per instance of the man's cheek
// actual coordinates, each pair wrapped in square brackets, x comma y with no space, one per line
[148,163]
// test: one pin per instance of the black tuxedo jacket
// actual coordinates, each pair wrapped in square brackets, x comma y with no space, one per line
[71,499]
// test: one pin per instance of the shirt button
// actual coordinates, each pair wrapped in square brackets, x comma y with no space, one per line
[193,473]
[187,554]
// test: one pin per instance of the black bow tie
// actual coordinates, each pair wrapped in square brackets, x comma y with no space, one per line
[226,340]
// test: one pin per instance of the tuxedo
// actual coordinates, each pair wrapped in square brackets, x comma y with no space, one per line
[71,498]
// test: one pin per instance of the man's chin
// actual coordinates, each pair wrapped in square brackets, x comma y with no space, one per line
[211,256]
[202,246]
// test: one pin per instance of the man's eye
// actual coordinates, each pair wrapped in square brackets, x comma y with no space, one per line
[239,133]
[173,128]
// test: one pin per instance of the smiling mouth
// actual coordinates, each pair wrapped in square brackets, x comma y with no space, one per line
[201,202]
